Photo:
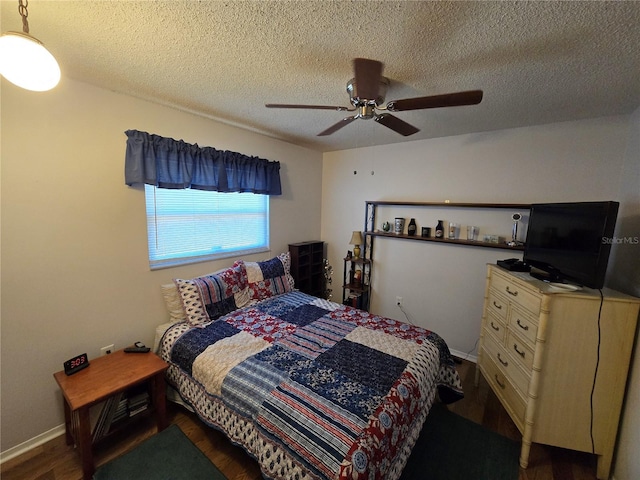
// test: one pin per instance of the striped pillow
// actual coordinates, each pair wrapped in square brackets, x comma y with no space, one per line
[207,298]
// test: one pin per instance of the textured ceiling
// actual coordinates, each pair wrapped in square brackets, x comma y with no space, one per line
[537,62]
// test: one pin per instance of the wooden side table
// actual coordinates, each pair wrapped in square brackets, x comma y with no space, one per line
[104,377]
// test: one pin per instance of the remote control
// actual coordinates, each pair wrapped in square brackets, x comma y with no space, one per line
[138,347]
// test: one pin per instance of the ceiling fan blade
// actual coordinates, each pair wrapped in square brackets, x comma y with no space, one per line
[394,123]
[367,78]
[470,97]
[334,128]
[313,107]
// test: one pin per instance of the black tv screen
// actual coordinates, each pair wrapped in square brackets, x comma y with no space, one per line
[571,241]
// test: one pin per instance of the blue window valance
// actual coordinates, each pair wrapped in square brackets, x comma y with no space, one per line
[168,163]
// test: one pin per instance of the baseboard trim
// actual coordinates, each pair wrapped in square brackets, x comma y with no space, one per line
[32,443]
[464,356]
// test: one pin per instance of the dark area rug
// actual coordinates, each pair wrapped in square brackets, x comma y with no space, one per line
[168,455]
[453,448]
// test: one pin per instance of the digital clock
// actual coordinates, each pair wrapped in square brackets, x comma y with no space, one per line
[76,364]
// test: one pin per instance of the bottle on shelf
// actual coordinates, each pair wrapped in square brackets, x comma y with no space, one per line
[439,229]
[411,229]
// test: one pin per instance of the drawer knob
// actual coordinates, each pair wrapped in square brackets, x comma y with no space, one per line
[506,364]
[524,327]
[497,305]
[497,329]
[500,384]
[521,353]
[512,292]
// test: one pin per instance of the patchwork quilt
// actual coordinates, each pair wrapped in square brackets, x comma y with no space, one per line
[313,389]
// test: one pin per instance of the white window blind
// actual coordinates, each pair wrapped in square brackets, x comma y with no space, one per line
[188,226]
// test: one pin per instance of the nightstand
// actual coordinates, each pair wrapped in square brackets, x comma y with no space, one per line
[105,377]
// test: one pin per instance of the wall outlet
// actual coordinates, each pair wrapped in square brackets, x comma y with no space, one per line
[107,350]
[399,301]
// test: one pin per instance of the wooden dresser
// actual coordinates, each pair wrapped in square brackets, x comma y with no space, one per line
[543,353]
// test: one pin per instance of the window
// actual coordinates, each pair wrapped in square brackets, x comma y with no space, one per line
[189,226]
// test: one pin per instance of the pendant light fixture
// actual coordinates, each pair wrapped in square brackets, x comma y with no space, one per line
[24,60]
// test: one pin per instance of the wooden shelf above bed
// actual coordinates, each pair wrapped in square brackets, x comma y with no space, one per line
[446,240]
[371,232]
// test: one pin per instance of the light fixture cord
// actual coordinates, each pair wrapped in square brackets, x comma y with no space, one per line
[24,13]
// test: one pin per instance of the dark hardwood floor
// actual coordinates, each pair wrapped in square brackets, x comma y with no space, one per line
[545,463]
[57,461]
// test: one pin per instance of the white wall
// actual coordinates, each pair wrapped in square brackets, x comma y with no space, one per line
[443,285]
[625,268]
[75,274]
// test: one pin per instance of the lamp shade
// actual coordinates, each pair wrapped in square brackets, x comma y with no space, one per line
[356,238]
[25,62]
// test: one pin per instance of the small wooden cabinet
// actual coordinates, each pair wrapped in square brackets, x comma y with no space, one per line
[558,362]
[105,377]
[356,288]
[307,267]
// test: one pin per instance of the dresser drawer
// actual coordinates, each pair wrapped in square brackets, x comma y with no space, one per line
[520,350]
[516,293]
[498,305]
[496,327]
[522,323]
[509,367]
[512,401]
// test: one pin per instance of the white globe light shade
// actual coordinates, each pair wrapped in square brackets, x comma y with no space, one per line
[25,62]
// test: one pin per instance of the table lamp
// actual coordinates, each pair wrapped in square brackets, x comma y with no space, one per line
[356,241]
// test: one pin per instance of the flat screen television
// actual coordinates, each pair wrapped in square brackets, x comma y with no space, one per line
[570,242]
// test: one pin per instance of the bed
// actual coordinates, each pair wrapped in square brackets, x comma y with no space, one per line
[310,388]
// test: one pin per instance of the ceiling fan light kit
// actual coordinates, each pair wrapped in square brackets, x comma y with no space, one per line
[367,91]
[25,61]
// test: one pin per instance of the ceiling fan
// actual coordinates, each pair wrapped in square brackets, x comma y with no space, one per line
[367,91]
